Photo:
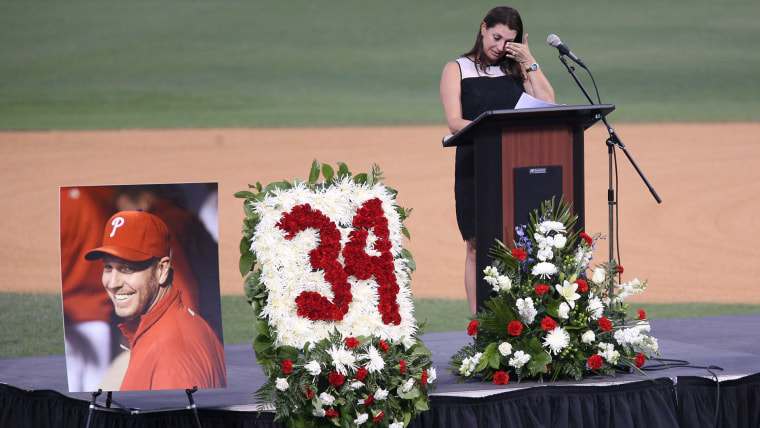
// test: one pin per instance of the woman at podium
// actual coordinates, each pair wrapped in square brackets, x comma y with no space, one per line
[491,76]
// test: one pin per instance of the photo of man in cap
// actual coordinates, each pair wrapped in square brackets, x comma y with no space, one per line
[170,346]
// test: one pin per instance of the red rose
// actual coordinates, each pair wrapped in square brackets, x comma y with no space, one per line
[383,346]
[595,362]
[361,374]
[423,378]
[519,254]
[336,379]
[605,324]
[331,414]
[542,289]
[642,314]
[514,328]
[402,366]
[351,342]
[548,324]
[378,417]
[500,378]
[586,238]
[472,329]
[287,366]
[369,400]
[619,269]
[582,285]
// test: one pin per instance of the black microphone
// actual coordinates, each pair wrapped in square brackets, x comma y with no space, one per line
[554,41]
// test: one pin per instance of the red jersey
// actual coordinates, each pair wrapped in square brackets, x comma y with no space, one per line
[172,348]
[84,212]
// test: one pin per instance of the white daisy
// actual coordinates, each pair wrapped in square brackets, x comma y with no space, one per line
[544,270]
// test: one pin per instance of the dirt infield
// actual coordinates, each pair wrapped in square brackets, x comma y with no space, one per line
[700,244]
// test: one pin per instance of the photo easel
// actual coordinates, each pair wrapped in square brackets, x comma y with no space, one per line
[109,400]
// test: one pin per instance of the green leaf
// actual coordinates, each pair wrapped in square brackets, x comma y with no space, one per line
[247,260]
[328,172]
[421,404]
[244,194]
[409,259]
[261,343]
[412,394]
[343,170]
[538,363]
[360,178]
[314,174]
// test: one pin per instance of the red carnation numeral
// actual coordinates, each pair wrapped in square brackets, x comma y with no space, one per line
[369,217]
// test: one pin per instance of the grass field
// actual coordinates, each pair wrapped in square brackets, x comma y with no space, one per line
[32,323]
[85,64]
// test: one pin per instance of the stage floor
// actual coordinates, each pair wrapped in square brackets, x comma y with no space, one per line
[730,343]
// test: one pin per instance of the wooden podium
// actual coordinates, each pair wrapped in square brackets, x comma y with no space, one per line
[523,157]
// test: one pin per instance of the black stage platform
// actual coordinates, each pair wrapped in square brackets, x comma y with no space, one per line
[714,361]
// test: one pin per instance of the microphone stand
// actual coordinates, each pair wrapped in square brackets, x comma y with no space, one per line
[612,142]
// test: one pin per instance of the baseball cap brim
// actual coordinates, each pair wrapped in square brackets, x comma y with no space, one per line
[120,252]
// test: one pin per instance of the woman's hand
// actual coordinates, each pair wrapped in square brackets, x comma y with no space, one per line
[520,52]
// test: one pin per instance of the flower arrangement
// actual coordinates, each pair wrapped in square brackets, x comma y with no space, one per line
[328,280]
[548,318]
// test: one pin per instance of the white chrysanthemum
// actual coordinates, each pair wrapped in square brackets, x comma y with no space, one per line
[375,360]
[557,340]
[343,359]
[551,226]
[588,337]
[320,412]
[381,394]
[396,425]
[408,385]
[282,384]
[526,309]
[564,310]
[560,241]
[286,269]
[519,359]
[326,399]
[505,348]
[595,308]
[313,367]
[361,419]
[432,375]
[356,385]
[568,291]
[544,270]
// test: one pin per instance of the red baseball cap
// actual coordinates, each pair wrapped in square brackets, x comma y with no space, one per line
[135,236]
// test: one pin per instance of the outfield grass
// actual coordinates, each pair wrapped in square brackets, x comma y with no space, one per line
[87,64]
[32,323]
